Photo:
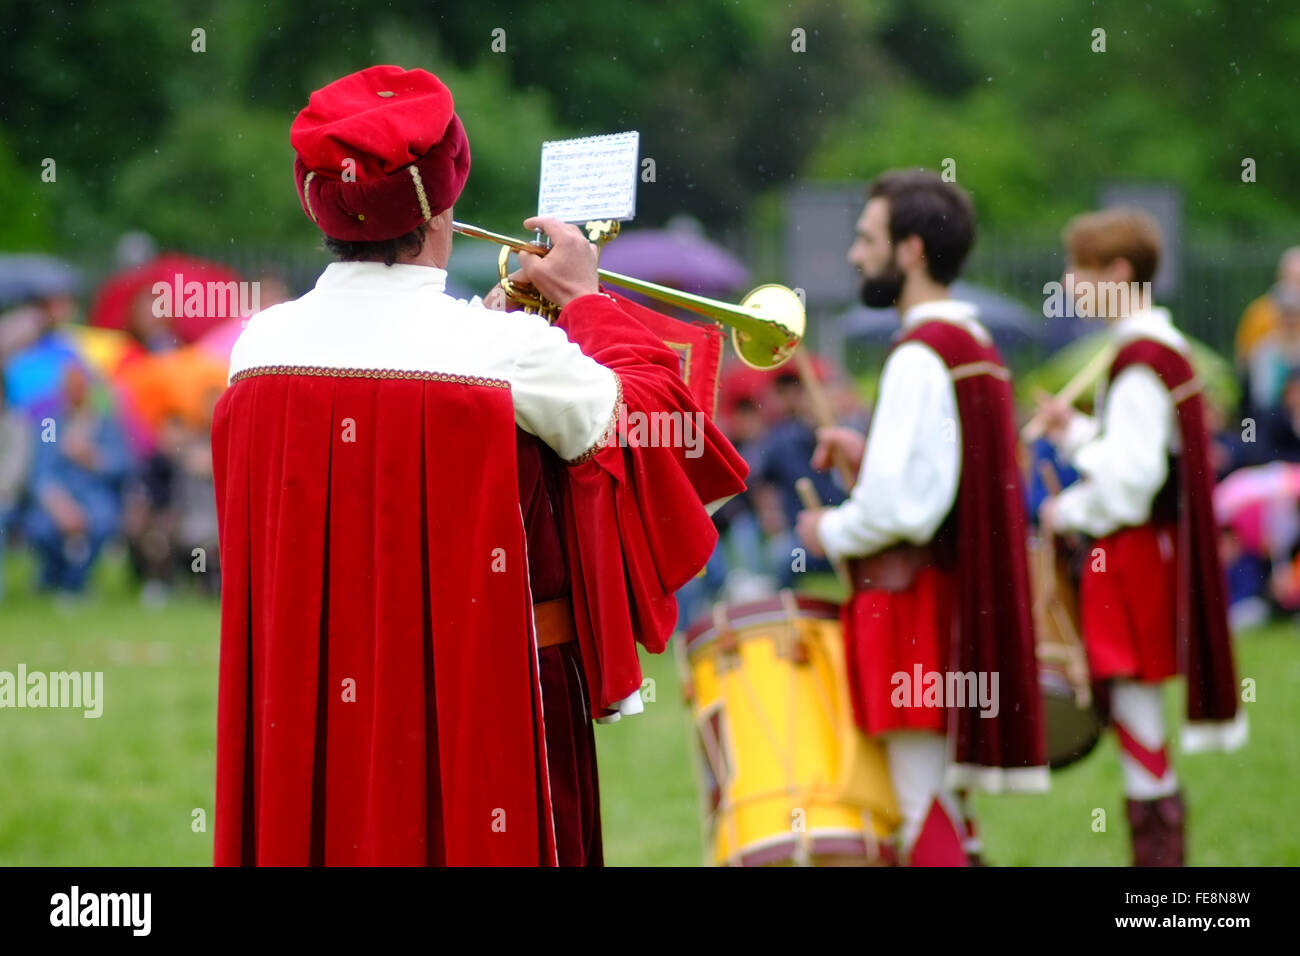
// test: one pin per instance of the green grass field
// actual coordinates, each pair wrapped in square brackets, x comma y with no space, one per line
[123,789]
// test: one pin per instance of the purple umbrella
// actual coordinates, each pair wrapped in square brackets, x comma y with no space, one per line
[26,278]
[679,256]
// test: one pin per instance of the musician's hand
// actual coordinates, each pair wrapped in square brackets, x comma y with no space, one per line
[497,301]
[568,271]
[1054,414]
[1047,517]
[852,444]
[805,528]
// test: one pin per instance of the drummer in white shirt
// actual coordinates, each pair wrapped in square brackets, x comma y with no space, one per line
[929,514]
[1148,613]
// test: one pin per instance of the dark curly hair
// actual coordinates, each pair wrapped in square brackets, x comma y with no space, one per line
[922,204]
[385,250]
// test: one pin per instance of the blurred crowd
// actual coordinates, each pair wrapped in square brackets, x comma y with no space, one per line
[105,422]
[1258,498]
[770,418]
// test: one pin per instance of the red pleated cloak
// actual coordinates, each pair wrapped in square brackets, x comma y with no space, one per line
[379,699]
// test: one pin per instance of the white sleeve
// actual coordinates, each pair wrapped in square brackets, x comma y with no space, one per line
[1081,430]
[627,707]
[909,475]
[563,397]
[1123,468]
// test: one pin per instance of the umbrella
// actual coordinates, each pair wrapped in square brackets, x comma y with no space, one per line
[104,350]
[679,256]
[25,278]
[220,340]
[34,375]
[178,383]
[1259,504]
[1010,323]
[112,306]
[1059,367]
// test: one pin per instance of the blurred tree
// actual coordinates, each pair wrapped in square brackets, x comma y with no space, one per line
[733,99]
[725,104]
[26,223]
[217,173]
[1184,92]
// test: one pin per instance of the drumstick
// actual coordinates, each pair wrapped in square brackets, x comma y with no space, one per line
[821,409]
[1069,394]
[1052,482]
[808,496]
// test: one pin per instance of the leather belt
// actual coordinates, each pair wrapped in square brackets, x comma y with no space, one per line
[894,569]
[554,622]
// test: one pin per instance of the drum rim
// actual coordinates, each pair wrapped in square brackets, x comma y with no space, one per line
[1061,690]
[757,612]
[822,841]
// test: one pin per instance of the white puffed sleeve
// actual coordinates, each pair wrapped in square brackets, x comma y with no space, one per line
[629,706]
[1124,467]
[563,397]
[1081,430]
[909,476]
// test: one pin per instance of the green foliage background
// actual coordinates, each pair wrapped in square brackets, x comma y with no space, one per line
[193,147]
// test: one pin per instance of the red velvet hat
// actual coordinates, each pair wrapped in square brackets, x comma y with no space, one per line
[379,152]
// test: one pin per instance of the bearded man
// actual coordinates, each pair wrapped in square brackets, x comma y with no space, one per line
[932,536]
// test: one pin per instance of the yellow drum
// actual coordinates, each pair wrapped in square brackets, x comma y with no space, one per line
[786,775]
[1073,725]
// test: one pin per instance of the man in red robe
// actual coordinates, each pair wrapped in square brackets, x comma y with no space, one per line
[438,553]
[1152,596]
[938,634]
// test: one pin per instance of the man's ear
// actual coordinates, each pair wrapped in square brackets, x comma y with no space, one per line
[910,253]
[1119,270]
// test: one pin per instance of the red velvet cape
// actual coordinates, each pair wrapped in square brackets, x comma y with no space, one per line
[1204,639]
[636,528]
[379,699]
[983,541]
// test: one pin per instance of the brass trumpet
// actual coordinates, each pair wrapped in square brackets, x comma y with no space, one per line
[766,327]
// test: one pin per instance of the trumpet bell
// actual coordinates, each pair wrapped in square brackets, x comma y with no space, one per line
[781,312]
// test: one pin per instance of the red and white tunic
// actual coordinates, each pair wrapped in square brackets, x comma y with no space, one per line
[940,470]
[905,490]
[1123,455]
[1152,593]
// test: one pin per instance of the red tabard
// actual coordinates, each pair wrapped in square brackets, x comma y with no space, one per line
[379,700]
[893,632]
[636,528]
[1188,590]
[971,613]
[1128,610]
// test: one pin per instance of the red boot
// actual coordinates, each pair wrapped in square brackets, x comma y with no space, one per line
[1157,831]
